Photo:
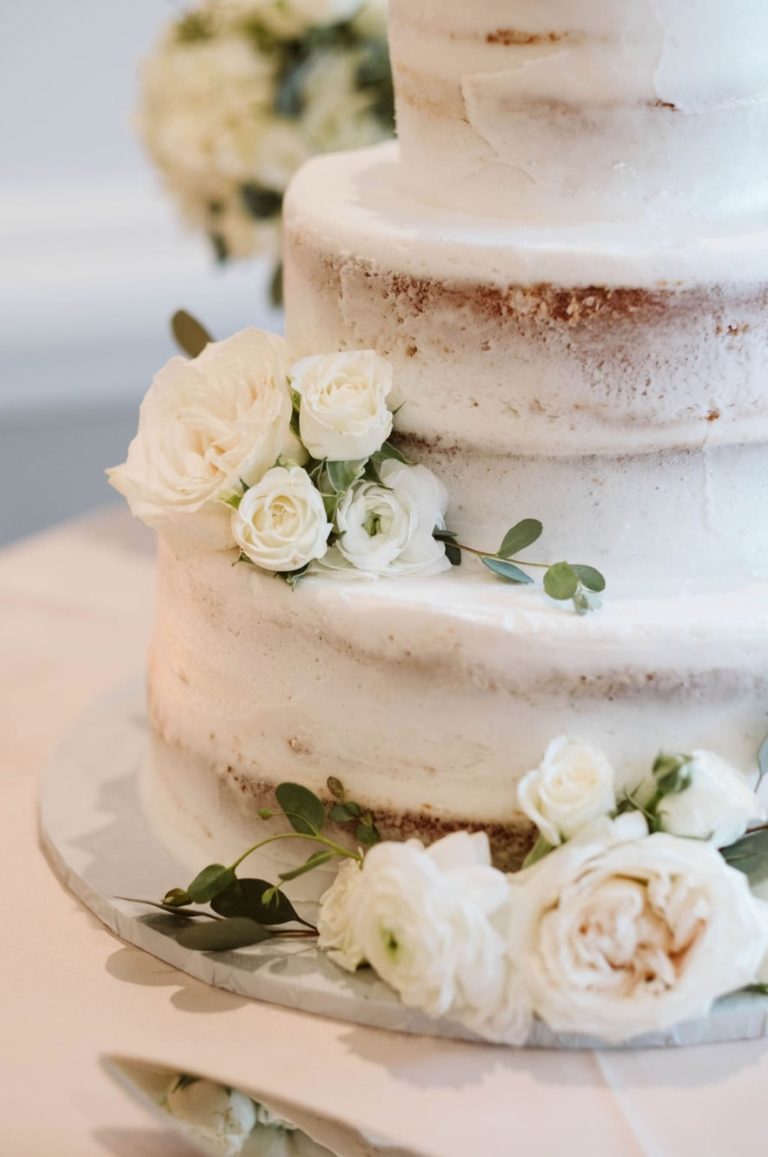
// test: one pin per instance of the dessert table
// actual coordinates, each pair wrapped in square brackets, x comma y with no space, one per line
[75,612]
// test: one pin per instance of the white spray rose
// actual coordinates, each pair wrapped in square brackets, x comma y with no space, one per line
[387,530]
[205,424]
[281,524]
[334,922]
[344,414]
[618,933]
[717,806]
[223,1118]
[423,919]
[574,785]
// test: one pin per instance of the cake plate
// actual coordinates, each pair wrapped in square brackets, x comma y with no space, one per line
[100,843]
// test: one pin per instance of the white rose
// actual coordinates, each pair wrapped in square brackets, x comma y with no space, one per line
[372,19]
[717,805]
[205,424]
[223,1118]
[281,524]
[344,414]
[574,785]
[422,918]
[387,530]
[618,933]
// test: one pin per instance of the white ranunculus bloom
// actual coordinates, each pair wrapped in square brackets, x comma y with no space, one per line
[424,920]
[617,933]
[334,922]
[387,530]
[344,415]
[718,805]
[573,785]
[205,424]
[281,524]
[223,1118]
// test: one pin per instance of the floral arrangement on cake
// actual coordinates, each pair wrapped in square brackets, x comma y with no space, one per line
[239,93]
[289,461]
[633,912]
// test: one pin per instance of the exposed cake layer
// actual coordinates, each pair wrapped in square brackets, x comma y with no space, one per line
[611,382]
[568,110]
[429,698]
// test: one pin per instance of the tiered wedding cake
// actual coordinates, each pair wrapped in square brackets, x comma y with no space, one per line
[566,262]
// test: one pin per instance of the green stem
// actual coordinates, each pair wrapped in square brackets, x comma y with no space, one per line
[318,839]
[492,554]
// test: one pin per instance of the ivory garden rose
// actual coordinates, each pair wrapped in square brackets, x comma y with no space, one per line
[222,1118]
[344,414]
[619,932]
[206,425]
[574,784]
[280,523]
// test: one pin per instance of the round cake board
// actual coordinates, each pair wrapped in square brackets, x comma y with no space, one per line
[100,843]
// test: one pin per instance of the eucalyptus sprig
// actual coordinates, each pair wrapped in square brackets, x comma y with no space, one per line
[563,581]
[246,910]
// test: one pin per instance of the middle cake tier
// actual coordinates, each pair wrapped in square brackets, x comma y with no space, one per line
[428,698]
[608,380]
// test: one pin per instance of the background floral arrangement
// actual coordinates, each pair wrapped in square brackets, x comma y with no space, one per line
[239,93]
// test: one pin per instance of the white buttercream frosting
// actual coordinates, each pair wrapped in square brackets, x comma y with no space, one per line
[432,696]
[570,110]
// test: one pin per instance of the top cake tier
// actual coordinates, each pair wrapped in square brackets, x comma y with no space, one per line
[557,111]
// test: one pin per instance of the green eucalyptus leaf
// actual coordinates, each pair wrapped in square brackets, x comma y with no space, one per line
[367,833]
[189,334]
[223,935]
[247,899]
[335,787]
[539,850]
[342,813]
[208,883]
[506,570]
[302,807]
[314,861]
[590,577]
[342,475]
[561,581]
[672,774]
[294,577]
[522,535]
[177,898]
[749,855]
[276,286]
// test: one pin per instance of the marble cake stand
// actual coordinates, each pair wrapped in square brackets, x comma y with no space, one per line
[101,845]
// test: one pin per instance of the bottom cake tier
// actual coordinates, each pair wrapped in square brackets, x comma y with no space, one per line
[428,698]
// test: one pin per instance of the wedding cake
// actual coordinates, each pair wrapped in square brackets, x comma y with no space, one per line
[527,342]
[565,262]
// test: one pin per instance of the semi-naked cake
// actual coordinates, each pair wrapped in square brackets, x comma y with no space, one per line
[565,259]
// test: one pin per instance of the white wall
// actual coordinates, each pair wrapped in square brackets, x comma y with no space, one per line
[92,260]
